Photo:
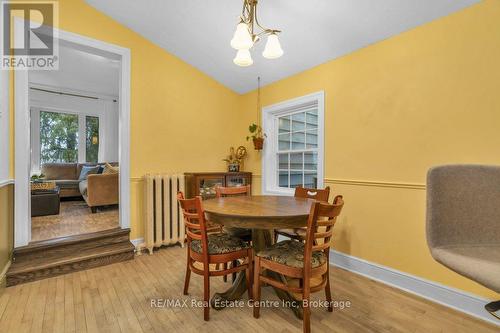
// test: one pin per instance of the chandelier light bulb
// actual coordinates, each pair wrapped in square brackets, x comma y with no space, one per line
[242,40]
[273,48]
[243,58]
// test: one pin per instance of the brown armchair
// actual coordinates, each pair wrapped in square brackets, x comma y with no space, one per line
[100,190]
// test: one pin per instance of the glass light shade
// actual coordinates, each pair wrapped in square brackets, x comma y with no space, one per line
[273,48]
[242,40]
[243,58]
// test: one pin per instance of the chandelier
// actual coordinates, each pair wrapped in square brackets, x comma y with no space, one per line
[248,32]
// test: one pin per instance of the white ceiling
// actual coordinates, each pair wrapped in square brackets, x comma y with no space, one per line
[83,71]
[314,31]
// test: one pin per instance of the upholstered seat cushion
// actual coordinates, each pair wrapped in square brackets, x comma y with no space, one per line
[220,243]
[291,253]
[480,263]
[67,183]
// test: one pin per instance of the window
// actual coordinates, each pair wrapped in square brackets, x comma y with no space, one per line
[293,153]
[91,139]
[58,137]
[63,137]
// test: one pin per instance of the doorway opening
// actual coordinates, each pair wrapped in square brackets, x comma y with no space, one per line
[72,142]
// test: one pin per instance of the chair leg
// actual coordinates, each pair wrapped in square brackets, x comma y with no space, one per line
[493,308]
[206,296]
[256,287]
[306,291]
[224,266]
[328,293]
[188,276]
[249,276]
[233,276]
[306,321]
[306,313]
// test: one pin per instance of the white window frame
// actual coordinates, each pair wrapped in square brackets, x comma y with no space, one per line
[270,116]
[82,148]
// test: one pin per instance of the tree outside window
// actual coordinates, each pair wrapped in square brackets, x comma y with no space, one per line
[58,137]
[92,139]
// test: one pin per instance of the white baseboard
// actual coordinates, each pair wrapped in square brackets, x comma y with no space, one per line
[137,242]
[433,291]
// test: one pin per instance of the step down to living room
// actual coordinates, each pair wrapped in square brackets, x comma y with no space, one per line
[48,258]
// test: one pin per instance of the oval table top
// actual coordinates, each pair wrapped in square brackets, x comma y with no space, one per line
[259,212]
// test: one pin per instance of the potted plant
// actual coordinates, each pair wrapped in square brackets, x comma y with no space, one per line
[257,136]
[37,178]
[235,159]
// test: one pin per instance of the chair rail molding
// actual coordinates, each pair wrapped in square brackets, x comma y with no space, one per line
[359,182]
[5,182]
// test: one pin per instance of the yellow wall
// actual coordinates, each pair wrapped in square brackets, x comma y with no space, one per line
[181,119]
[6,227]
[425,97]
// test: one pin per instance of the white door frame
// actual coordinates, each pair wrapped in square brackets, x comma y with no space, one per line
[22,202]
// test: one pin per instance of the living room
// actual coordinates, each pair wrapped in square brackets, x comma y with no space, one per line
[236,144]
[74,145]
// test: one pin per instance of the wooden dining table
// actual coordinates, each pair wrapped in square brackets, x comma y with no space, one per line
[261,214]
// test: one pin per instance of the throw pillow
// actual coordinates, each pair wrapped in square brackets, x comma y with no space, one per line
[87,170]
[109,169]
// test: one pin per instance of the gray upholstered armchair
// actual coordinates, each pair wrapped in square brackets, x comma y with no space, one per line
[463,222]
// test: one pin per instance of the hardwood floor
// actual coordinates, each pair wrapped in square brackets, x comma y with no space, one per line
[74,218]
[117,298]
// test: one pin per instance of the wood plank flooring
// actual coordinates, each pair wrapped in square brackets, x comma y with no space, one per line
[117,298]
[75,218]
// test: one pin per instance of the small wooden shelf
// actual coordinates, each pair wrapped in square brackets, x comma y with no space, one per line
[203,183]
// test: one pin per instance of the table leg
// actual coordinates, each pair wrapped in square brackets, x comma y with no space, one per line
[260,239]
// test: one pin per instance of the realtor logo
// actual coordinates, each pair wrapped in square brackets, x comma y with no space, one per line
[29,38]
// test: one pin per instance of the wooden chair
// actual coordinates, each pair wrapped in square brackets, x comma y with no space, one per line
[286,258]
[244,234]
[221,191]
[302,192]
[207,249]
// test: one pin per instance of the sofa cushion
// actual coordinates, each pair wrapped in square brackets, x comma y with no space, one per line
[108,168]
[56,171]
[67,183]
[291,253]
[83,187]
[220,243]
[88,170]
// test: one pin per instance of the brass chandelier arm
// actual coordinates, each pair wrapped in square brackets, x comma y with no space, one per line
[249,16]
